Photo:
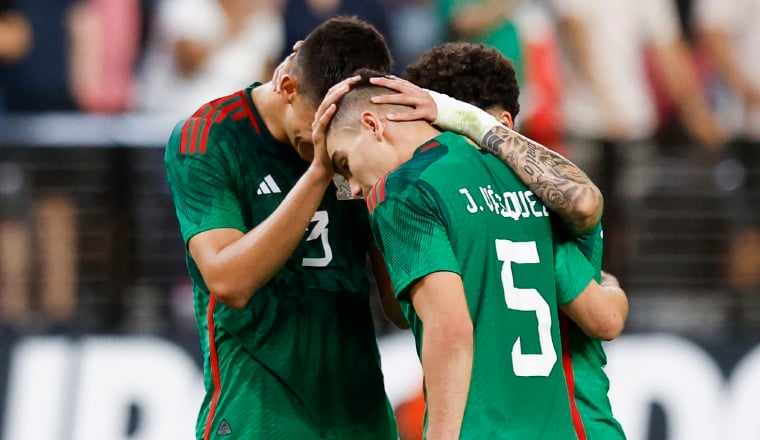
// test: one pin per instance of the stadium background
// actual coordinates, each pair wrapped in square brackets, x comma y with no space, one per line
[126,363]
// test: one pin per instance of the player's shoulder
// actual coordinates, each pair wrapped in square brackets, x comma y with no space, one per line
[213,124]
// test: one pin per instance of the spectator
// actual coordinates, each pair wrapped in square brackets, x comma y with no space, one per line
[302,16]
[609,109]
[41,79]
[730,35]
[42,230]
[413,27]
[15,37]
[201,49]
[105,38]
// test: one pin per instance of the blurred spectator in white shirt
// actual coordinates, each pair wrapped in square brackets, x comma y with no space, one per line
[203,49]
[729,33]
[610,111]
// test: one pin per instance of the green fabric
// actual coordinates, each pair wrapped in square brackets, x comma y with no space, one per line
[308,332]
[455,208]
[588,359]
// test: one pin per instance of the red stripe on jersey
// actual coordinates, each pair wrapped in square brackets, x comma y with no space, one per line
[194,135]
[381,190]
[567,366]
[431,144]
[238,114]
[223,111]
[204,136]
[214,358]
[183,138]
[215,104]
[370,201]
[249,112]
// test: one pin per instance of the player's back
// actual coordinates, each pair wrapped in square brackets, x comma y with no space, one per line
[501,236]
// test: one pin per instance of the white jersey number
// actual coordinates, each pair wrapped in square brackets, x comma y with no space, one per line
[527,300]
[319,231]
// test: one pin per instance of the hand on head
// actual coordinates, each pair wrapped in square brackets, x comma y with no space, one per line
[324,115]
[419,99]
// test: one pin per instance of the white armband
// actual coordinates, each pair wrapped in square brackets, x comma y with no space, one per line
[461,117]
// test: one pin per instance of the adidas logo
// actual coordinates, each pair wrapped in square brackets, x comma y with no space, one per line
[268,186]
[224,428]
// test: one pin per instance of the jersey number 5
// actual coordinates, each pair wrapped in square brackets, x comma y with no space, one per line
[319,231]
[527,300]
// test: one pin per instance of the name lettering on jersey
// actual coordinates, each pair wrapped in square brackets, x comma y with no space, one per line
[509,204]
[268,186]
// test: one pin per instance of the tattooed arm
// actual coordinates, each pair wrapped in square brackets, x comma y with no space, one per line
[559,183]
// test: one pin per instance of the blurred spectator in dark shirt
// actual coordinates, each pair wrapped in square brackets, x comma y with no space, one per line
[302,16]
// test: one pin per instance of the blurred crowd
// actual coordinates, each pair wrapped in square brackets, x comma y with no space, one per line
[616,85]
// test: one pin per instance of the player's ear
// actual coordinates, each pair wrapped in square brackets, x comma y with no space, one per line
[505,118]
[374,123]
[288,86]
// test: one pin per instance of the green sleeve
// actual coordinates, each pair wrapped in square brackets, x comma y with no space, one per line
[202,185]
[573,272]
[412,236]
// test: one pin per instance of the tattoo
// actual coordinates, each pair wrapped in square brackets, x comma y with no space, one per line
[559,183]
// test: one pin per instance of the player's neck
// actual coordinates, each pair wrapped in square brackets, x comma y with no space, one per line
[271,107]
[409,136]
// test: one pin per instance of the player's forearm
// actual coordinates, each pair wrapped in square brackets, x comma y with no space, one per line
[600,311]
[447,364]
[244,266]
[559,183]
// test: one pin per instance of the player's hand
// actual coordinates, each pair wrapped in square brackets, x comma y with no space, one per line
[609,281]
[324,115]
[284,67]
[409,94]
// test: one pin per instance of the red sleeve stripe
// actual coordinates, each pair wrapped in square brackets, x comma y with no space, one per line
[224,110]
[183,137]
[194,135]
[214,360]
[567,366]
[249,112]
[206,126]
[238,114]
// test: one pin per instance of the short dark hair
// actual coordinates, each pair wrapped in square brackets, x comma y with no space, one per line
[359,98]
[470,72]
[334,50]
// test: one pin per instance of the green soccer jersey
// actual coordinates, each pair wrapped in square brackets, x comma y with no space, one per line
[300,360]
[454,208]
[583,358]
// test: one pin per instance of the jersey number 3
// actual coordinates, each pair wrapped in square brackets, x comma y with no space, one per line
[526,300]
[319,231]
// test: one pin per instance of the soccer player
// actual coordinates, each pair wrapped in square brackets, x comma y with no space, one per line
[483,77]
[470,253]
[277,262]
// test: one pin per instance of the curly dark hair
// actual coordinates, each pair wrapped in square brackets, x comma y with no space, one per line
[469,72]
[334,50]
